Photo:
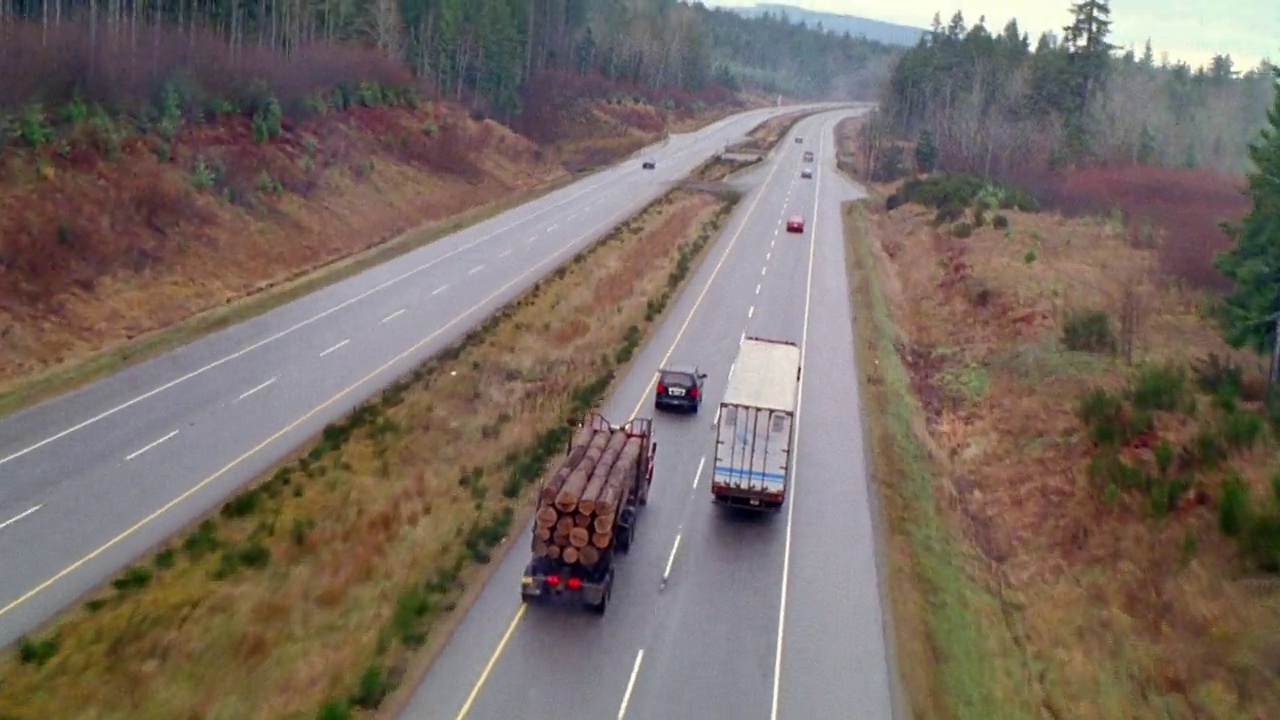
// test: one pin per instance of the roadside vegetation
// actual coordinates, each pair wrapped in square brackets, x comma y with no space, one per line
[1064,342]
[328,583]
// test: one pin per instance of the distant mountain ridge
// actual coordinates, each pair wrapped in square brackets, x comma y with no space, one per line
[876,30]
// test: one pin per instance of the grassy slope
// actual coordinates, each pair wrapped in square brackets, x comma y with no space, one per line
[138,256]
[1030,588]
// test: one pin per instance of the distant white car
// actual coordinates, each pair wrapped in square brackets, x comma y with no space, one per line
[806,173]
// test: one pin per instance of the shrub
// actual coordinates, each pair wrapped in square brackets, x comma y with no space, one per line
[961,230]
[1000,221]
[893,202]
[1241,429]
[372,689]
[335,710]
[36,652]
[133,578]
[1105,415]
[1088,331]
[1233,507]
[1207,449]
[1262,542]
[1158,387]
[1219,376]
[948,213]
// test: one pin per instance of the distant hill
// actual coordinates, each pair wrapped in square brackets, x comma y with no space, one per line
[876,30]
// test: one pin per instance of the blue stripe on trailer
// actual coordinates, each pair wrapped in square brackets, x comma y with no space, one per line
[749,474]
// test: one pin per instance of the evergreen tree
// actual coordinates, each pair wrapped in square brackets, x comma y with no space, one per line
[926,152]
[1254,263]
[1148,56]
[1086,41]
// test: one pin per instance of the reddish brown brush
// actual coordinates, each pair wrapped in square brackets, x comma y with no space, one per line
[1184,207]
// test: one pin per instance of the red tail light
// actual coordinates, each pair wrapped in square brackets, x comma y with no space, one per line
[693,393]
[575,584]
[553,579]
[661,388]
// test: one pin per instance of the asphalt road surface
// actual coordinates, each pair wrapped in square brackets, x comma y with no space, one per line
[714,615]
[92,479]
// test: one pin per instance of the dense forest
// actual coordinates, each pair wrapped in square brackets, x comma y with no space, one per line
[993,103]
[482,52]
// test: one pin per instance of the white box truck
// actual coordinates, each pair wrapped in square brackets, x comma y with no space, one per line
[755,426]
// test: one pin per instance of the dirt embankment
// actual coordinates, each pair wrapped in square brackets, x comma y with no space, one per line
[1079,472]
[115,245]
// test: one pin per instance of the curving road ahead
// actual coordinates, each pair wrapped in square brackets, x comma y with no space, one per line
[716,616]
[91,480]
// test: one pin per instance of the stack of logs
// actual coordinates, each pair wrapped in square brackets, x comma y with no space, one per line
[578,505]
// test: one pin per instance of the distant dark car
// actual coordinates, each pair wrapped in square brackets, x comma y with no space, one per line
[808,156]
[795,225]
[806,174]
[649,165]
[679,388]
[799,139]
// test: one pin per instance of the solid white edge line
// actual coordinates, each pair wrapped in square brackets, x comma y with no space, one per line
[247,393]
[335,347]
[791,492]
[16,518]
[631,684]
[136,453]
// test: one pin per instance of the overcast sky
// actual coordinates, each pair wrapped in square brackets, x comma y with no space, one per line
[1191,30]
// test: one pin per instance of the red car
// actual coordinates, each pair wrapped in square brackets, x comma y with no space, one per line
[795,224]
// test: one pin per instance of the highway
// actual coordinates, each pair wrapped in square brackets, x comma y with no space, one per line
[91,480]
[716,616]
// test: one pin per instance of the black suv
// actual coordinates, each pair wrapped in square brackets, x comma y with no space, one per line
[649,165]
[679,387]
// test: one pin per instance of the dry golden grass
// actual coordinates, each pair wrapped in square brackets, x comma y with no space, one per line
[368,537]
[1101,610]
[765,136]
[719,168]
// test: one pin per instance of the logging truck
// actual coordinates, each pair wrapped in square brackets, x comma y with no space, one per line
[755,426]
[587,512]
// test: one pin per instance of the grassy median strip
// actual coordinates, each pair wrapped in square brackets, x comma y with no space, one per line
[766,136]
[309,594]
[957,659]
[719,168]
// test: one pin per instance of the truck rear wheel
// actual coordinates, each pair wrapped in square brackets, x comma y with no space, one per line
[600,607]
